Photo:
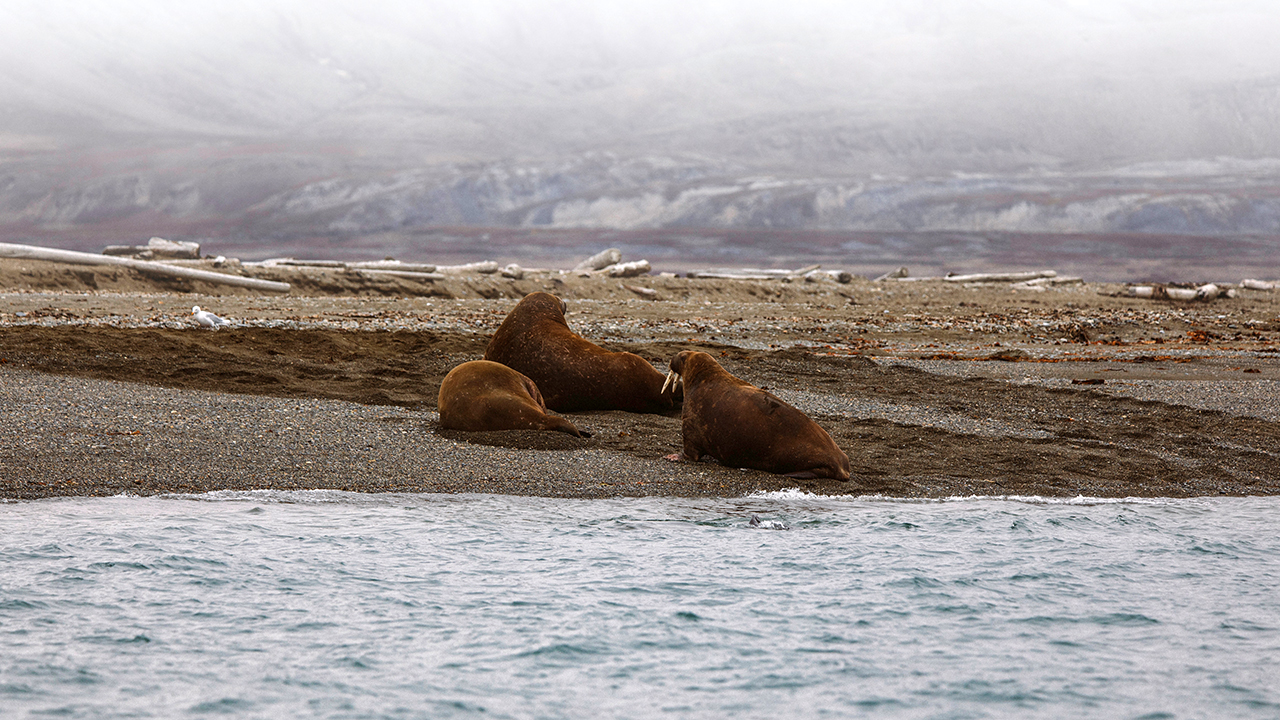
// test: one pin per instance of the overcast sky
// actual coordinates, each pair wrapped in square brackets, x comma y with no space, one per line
[996,37]
[282,63]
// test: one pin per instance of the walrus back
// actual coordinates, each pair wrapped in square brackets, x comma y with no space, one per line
[484,395]
[572,372]
[741,425]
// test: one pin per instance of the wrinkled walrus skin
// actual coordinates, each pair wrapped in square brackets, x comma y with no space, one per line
[483,395]
[745,427]
[574,373]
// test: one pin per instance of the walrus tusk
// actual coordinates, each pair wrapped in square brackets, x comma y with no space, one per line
[672,379]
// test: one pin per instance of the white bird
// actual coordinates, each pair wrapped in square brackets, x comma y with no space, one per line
[207,319]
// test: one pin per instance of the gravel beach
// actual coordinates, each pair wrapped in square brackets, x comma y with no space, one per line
[933,389]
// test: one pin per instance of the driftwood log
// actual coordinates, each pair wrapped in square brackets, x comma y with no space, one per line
[840,276]
[752,273]
[1039,284]
[599,261]
[628,269]
[300,263]
[32,252]
[1001,277]
[898,274]
[486,267]
[157,247]
[1205,292]
[644,292]
[391,265]
[410,274]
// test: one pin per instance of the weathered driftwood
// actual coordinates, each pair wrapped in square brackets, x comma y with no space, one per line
[714,275]
[272,262]
[628,269]
[303,263]
[392,265]
[644,292]
[32,252]
[1157,291]
[752,273]
[599,261]
[1001,277]
[411,274]
[157,247]
[721,275]
[1039,284]
[840,276]
[1059,280]
[1211,291]
[487,267]
[1259,285]
[898,274]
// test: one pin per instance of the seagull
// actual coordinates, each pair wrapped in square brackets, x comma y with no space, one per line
[207,319]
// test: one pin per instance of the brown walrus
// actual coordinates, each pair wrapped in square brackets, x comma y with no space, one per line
[745,427]
[483,395]
[574,373]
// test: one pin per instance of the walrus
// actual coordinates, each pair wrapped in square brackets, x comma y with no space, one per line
[574,373]
[484,395]
[743,426]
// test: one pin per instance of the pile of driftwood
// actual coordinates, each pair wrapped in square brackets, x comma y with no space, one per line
[810,273]
[1202,293]
[157,249]
[32,252]
[158,257]
[609,263]
[417,271]
[1036,280]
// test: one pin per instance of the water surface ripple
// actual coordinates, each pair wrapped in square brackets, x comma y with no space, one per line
[326,604]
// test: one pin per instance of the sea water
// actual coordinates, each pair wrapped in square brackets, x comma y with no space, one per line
[324,604]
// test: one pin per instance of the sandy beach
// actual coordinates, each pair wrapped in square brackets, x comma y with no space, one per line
[933,388]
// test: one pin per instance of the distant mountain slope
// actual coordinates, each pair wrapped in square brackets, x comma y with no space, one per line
[276,118]
[271,192]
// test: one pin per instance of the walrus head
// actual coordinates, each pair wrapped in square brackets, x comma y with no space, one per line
[688,363]
[673,375]
[543,305]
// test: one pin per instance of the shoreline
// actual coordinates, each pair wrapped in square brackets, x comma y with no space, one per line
[932,391]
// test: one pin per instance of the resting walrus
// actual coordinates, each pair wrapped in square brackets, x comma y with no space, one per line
[574,373]
[743,426]
[483,395]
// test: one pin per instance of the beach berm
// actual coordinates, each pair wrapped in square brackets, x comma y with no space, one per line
[930,390]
